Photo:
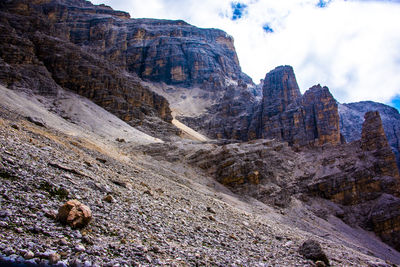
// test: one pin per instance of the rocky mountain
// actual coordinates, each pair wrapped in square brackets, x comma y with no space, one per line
[101,163]
[282,113]
[38,54]
[298,119]
[351,118]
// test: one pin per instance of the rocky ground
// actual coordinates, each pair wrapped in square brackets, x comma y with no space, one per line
[146,211]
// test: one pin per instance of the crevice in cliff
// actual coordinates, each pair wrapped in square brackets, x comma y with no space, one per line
[316,134]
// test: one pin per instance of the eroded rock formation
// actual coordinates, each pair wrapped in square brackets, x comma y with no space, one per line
[37,54]
[300,120]
[352,117]
[167,51]
[364,178]
[103,55]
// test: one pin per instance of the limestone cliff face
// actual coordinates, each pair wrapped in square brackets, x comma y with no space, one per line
[167,51]
[37,55]
[282,113]
[352,117]
[178,53]
[280,89]
[300,120]
[364,178]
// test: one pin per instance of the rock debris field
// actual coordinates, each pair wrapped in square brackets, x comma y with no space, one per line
[144,211]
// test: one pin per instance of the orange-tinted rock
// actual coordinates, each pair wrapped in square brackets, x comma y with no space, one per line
[75,214]
[279,91]
[363,176]
[373,136]
[373,139]
[167,51]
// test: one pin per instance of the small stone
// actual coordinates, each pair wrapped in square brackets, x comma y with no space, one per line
[101,160]
[148,258]
[8,251]
[29,255]
[16,127]
[62,264]
[75,263]
[109,198]
[5,213]
[289,243]
[3,224]
[320,264]
[86,239]
[79,248]
[155,249]
[160,191]
[209,209]
[120,183]
[312,250]
[63,242]
[75,214]
[77,234]
[148,192]
[54,258]
[37,121]
[87,264]
[64,254]
[51,214]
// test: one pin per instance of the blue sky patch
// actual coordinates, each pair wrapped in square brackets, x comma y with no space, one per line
[267,28]
[323,3]
[396,102]
[238,10]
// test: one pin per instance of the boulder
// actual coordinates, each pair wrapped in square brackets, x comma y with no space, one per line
[75,214]
[312,250]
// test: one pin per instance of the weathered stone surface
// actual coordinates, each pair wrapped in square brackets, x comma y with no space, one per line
[38,55]
[280,89]
[75,214]
[363,176]
[178,53]
[385,219]
[230,118]
[352,117]
[312,250]
[282,113]
[373,170]
[167,51]
[373,136]
[300,120]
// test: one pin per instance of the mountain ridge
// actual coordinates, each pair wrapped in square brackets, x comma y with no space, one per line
[273,155]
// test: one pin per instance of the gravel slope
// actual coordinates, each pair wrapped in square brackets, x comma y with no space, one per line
[161,213]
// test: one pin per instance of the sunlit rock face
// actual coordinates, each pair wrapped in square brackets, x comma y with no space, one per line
[173,52]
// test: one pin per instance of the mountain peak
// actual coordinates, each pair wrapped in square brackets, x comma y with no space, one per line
[280,89]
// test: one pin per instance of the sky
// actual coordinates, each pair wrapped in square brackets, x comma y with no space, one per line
[352,46]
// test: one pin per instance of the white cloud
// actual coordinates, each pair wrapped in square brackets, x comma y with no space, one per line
[353,47]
